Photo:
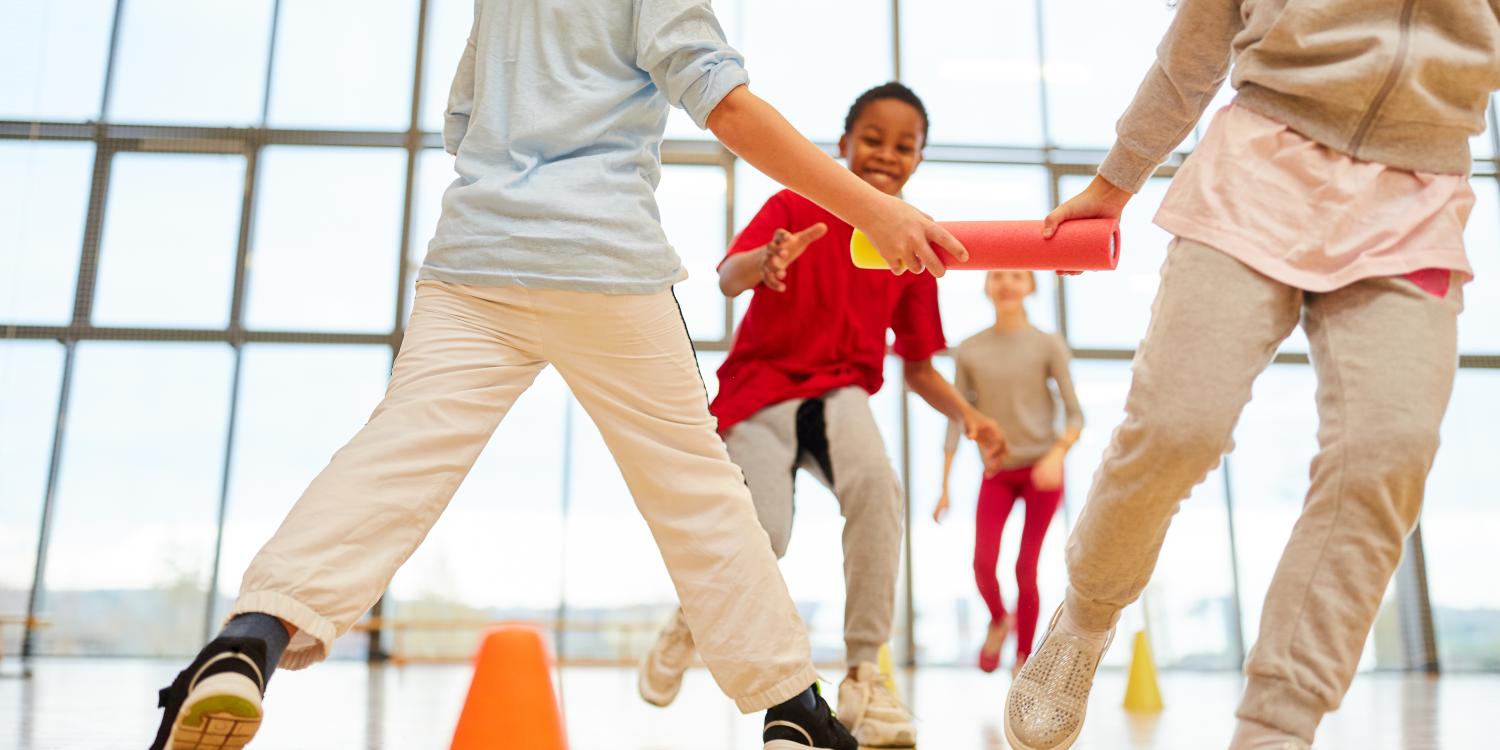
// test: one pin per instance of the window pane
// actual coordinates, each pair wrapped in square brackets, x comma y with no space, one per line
[298,404]
[54,55]
[1458,527]
[975,67]
[1110,309]
[693,212]
[192,63]
[497,552]
[344,64]
[1479,325]
[171,227]
[142,465]
[448,23]
[44,193]
[1097,54]
[30,372]
[779,56]
[327,234]
[967,192]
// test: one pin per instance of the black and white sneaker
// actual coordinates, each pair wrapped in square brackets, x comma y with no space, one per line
[790,726]
[216,701]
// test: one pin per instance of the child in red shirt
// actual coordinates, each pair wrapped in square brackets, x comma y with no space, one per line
[794,393]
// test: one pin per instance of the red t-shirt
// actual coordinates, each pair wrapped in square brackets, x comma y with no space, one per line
[827,330]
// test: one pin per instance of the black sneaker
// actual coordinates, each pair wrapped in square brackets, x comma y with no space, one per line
[216,701]
[789,726]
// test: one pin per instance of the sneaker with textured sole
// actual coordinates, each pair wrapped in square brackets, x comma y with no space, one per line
[791,726]
[216,701]
[1049,697]
[662,667]
[872,713]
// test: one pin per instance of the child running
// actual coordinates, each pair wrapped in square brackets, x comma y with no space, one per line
[795,393]
[1004,371]
[1333,191]
[550,252]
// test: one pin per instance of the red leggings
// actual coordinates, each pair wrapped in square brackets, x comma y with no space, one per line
[997,496]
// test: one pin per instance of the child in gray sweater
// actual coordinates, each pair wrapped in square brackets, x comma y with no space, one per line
[1332,191]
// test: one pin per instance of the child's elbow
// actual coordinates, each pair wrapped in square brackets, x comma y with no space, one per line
[916,371]
[727,114]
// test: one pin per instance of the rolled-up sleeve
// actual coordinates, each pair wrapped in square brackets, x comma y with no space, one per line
[680,44]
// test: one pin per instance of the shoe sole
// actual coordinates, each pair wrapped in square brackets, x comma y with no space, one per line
[1016,744]
[223,711]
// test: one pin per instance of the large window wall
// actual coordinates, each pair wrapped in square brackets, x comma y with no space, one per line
[210,223]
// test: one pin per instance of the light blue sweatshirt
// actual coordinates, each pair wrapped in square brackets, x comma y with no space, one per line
[556,118]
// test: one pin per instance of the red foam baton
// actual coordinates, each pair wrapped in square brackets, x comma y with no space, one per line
[1078,245]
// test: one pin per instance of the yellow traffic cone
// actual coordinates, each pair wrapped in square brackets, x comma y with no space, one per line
[1142,695]
[887,670]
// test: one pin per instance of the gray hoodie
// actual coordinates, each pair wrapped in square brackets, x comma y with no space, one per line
[1399,82]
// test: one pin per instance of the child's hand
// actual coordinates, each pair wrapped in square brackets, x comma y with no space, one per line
[941,509]
[904,239]
[784,248]
[986,433]
[1099,200]
[1047,474]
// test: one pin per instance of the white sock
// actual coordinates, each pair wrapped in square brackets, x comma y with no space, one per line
[1253,735]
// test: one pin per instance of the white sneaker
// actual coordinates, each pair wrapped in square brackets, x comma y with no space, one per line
[1049,697]
[872,714]
[663,666]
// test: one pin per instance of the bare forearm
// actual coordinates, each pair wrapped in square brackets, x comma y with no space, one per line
[928,383]
[947,468]
[741,272]
[755,131]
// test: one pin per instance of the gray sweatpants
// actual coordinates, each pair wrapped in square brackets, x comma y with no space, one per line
[1385,353]
[767,448]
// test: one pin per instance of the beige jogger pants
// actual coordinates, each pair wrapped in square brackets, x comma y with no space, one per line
[469,353]
[1385,354]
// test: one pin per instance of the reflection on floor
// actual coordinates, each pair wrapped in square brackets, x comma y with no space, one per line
[108,703]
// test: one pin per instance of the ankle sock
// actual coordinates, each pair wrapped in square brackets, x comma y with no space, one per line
[261,627]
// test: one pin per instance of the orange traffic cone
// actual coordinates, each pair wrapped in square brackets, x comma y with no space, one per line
[511,704]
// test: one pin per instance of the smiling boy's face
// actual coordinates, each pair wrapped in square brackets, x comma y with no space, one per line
[885,145]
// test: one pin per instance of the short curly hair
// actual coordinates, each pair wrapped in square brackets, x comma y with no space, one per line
[891,90]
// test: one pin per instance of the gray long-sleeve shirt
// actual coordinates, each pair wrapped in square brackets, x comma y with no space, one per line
[1005,376]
